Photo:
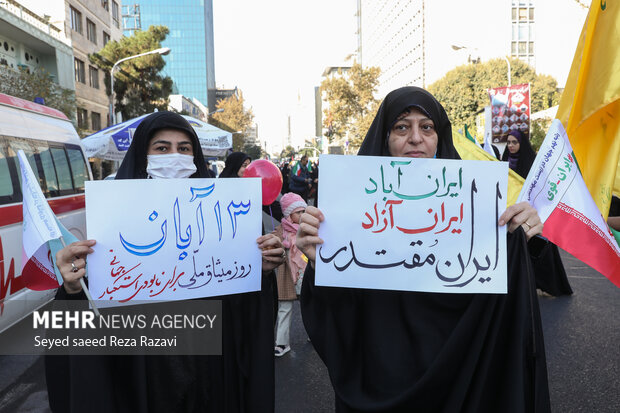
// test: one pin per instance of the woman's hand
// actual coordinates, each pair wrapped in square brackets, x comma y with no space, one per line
[308,233]
[522,214]
[272,250]
[71,261]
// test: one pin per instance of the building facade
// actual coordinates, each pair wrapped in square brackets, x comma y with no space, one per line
[30,41]
[416,42]
[191,63]
[183,104]
[89,25]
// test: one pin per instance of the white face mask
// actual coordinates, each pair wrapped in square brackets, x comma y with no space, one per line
[174,165]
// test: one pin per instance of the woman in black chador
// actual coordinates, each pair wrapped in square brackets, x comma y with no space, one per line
[240,380]
[548,268]
[393,351]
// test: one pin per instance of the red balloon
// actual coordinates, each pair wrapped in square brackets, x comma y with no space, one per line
[270,176]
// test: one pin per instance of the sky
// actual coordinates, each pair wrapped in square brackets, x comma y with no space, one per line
[276,50]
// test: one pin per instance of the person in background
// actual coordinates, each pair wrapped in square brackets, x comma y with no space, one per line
[235,165]
[285,170]
[550,274]
[519,153]
[397,351]
[300,181]
[291,271]
[242,379]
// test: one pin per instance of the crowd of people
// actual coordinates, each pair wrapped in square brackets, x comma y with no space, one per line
[385,351]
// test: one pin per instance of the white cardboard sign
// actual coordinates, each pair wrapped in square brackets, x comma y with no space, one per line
[173,239]
[412,224]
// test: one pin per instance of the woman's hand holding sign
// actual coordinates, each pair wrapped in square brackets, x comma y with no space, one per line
[308,234]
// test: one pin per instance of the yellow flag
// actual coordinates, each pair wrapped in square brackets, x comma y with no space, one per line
[590,104]
[470,151]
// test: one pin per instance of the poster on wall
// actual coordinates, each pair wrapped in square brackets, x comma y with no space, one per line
[510,106]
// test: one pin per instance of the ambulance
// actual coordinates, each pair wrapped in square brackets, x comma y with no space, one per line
[53,149]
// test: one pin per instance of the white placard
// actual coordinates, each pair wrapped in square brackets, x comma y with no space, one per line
[173,239]
[412,224]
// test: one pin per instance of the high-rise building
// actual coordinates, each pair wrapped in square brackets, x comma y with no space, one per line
[415,42]
[191,63]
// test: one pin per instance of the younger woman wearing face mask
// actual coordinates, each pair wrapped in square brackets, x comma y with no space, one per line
[241,379]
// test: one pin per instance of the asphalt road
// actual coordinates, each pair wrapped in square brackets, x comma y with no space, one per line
[582,341]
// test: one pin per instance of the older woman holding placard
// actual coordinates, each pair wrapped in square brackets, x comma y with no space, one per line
[389,351]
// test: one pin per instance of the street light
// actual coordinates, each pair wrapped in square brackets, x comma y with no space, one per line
[455,47]
[508,63]
[215,111]
[162,51]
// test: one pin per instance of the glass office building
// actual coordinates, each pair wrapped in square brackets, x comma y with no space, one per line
[190,63]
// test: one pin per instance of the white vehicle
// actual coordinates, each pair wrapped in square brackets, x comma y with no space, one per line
[52,146]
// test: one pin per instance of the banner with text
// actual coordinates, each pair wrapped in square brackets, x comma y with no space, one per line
[510,110]
[173,239]
[412,224]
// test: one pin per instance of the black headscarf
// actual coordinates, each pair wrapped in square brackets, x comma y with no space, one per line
[526,154]
[134,163]
[395,103]
[233,164]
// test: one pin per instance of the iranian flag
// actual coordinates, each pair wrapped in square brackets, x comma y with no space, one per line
[297,168]
[39,227]
[572,220]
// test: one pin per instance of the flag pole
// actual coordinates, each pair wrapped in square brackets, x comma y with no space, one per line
[84,287]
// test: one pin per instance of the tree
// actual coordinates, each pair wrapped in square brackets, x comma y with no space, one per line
[253,151]
[23,84]
[233,118]
[463,90]
[351,103]
[139,87]
[288,153]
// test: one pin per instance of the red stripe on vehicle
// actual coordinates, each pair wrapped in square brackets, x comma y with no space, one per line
[12,214]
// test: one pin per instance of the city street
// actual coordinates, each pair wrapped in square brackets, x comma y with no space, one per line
[582,339]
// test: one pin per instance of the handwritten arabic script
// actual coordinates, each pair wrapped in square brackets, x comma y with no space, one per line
[413,224]
[173,239]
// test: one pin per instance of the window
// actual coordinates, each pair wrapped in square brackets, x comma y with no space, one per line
[523,15]
[106,38]
[531,14]
[522,47]
[82,118]
[513,48]
[115,16]
[6,184]
[76,20]
[523,31]
[91,31]
[531,48]
[514,14]
[48,170]
[93,77]
[95,120]
[105,4]
[80,73]
[78,168]
[65,183]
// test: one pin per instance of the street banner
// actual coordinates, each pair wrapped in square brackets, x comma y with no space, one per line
[472,152]
[173,239]
[412,224]
[590,102]
[510,108]
[39,227]
[572,221]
